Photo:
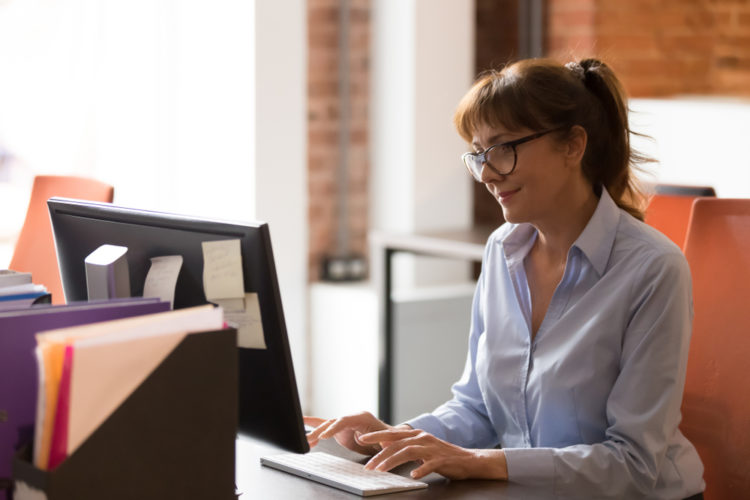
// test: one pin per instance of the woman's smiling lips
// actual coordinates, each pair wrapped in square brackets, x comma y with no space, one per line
[505,195]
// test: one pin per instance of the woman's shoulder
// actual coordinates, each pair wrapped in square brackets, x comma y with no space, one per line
[639,242]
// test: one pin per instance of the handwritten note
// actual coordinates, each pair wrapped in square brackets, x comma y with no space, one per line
[161,279]
[247,319]
[222,270]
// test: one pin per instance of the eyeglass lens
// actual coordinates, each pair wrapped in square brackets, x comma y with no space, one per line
[501,159]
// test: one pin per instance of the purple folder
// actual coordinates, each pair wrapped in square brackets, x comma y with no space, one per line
[18,369]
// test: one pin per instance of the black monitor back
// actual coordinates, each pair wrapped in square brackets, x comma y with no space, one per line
[268,398]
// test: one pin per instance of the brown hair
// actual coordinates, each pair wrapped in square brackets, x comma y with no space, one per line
[541,94]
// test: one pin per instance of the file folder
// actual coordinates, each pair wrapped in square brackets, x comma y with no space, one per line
[173,437]
[18,370]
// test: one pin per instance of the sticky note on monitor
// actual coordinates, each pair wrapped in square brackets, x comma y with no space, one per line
[222,270]
[245,315]
[161,279]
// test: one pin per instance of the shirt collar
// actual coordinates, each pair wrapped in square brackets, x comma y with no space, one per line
[518,242]
[598,237]
[595,242]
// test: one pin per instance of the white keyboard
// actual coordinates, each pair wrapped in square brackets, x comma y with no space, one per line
[341,473]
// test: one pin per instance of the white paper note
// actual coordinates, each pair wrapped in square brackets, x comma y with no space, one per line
[246,316]
[161,279]
[222,270]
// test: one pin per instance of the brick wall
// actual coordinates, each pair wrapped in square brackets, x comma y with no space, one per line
[323,133]
[659,48]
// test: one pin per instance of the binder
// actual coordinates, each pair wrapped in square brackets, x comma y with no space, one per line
[18,370]
[173,437]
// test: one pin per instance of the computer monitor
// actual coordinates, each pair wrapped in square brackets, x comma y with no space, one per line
[268,398]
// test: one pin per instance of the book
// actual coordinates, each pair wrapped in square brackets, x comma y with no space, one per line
[9,277]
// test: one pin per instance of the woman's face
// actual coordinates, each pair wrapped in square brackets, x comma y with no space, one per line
[536,189]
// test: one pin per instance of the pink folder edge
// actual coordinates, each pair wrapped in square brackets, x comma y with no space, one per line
[58,448]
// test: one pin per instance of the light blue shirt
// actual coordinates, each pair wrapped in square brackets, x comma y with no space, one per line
[591,406]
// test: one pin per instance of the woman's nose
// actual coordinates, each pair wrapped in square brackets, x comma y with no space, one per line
[489,174]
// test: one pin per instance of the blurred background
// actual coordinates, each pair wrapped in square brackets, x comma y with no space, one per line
[332,120]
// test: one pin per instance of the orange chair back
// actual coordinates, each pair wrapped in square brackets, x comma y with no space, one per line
[670,213]
[716,404]
[35,249]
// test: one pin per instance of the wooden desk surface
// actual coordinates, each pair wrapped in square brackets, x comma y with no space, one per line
[255,481]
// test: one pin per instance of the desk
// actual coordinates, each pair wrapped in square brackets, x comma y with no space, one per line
[467,244]
[256,481]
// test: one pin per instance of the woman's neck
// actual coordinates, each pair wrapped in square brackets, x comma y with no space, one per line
[559,231]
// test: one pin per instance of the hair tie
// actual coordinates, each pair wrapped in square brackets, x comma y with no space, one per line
[577,70]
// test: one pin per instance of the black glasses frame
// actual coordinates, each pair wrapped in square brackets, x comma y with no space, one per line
[469,158]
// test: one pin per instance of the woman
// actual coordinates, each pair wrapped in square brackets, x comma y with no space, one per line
[582,314]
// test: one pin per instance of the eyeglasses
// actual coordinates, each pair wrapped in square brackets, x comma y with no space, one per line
[501,158]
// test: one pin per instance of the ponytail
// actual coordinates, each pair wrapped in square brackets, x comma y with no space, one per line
[610,159]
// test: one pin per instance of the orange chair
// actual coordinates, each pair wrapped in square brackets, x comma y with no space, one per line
[716,404]
[669,213]
[35,250]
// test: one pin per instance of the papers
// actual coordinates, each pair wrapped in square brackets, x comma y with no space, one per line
[245,315]
[100,391]
[59,439]
[161,279]
[223,284]
[102,364]
[222,270]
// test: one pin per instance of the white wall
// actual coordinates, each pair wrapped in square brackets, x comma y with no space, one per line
[281,159]
[697,141]
[344,340]
[422,64]
[154,97]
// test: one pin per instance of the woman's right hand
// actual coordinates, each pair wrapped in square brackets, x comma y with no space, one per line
[346,430]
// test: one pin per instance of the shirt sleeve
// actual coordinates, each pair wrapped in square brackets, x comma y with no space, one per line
[643,408]
[463,420]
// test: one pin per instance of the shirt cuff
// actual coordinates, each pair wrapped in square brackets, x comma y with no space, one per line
[530,465]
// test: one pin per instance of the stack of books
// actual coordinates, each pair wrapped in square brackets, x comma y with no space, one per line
[17,290]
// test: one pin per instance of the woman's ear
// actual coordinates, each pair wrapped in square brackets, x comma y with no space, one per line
[576,146]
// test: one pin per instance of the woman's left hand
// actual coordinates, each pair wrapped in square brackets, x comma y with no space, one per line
[434,455]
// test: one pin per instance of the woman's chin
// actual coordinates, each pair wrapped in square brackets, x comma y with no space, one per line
[511,215]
